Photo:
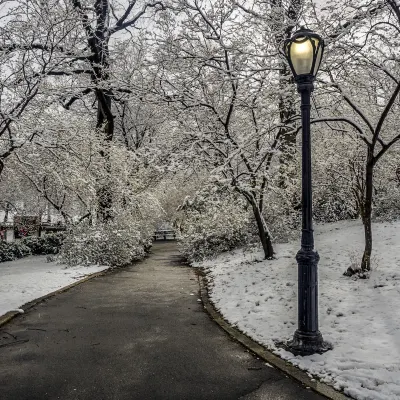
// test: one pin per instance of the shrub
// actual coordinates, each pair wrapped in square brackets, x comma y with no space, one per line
[333,204]
[116,244]
[214,229]
[387,205]
[48,244]
[12,251]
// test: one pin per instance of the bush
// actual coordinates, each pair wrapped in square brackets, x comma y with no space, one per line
[387,206]
[214,229]
[333,204]
[12,251]
[115,244]
[48,244]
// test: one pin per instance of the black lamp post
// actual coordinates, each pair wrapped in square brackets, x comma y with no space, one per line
[304,53]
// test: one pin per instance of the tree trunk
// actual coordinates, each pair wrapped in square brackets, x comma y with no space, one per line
[104,202]
[105,125]
[364,200]
[263,232]
[287,111]
[98,42]
[284,21]
[366,260]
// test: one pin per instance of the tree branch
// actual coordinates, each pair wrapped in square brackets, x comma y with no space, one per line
[125,24]
[385,113]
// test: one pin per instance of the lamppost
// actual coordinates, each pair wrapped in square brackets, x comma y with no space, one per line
[304,53]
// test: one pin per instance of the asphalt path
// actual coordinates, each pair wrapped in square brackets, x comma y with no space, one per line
[134,334]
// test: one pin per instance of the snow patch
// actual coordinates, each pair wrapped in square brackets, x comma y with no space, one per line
[361,318]
[29,278]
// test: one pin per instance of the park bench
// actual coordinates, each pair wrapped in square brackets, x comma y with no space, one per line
[164,234]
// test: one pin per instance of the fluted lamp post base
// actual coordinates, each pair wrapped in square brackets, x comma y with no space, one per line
[307,339]
[307,343]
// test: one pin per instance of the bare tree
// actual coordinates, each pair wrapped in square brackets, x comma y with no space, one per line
[369,84]
[223,90]
[84,31]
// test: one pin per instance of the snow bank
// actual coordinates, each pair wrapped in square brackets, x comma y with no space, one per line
[31,277]
[361,318]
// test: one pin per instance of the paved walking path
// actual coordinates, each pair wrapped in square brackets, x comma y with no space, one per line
[135,334]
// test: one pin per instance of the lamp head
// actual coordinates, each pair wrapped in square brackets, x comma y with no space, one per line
[304,53]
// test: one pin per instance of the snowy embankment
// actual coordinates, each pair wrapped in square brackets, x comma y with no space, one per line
[32,277]
[361,318]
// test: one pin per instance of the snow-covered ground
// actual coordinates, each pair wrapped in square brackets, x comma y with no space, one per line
[361,318]
[31,277]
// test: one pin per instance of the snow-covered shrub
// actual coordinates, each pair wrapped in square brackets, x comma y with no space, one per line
[282,202]
[386,202]
[48,244]
[284,224]
[333,203]
[282,212]
[212,227]
[12,251]
[116,243]
[337,171]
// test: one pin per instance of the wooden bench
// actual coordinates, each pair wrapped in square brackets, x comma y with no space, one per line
[162,234]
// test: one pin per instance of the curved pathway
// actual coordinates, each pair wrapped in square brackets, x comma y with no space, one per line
[134,334]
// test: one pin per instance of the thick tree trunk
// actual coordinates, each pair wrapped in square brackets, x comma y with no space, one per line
[104,200]
[286,111]
[105,125]
[98,43]
[366,219]
[263,232]
[284,21]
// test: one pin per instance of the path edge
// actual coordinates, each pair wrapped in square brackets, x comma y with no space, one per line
[10,315]
[261,352]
